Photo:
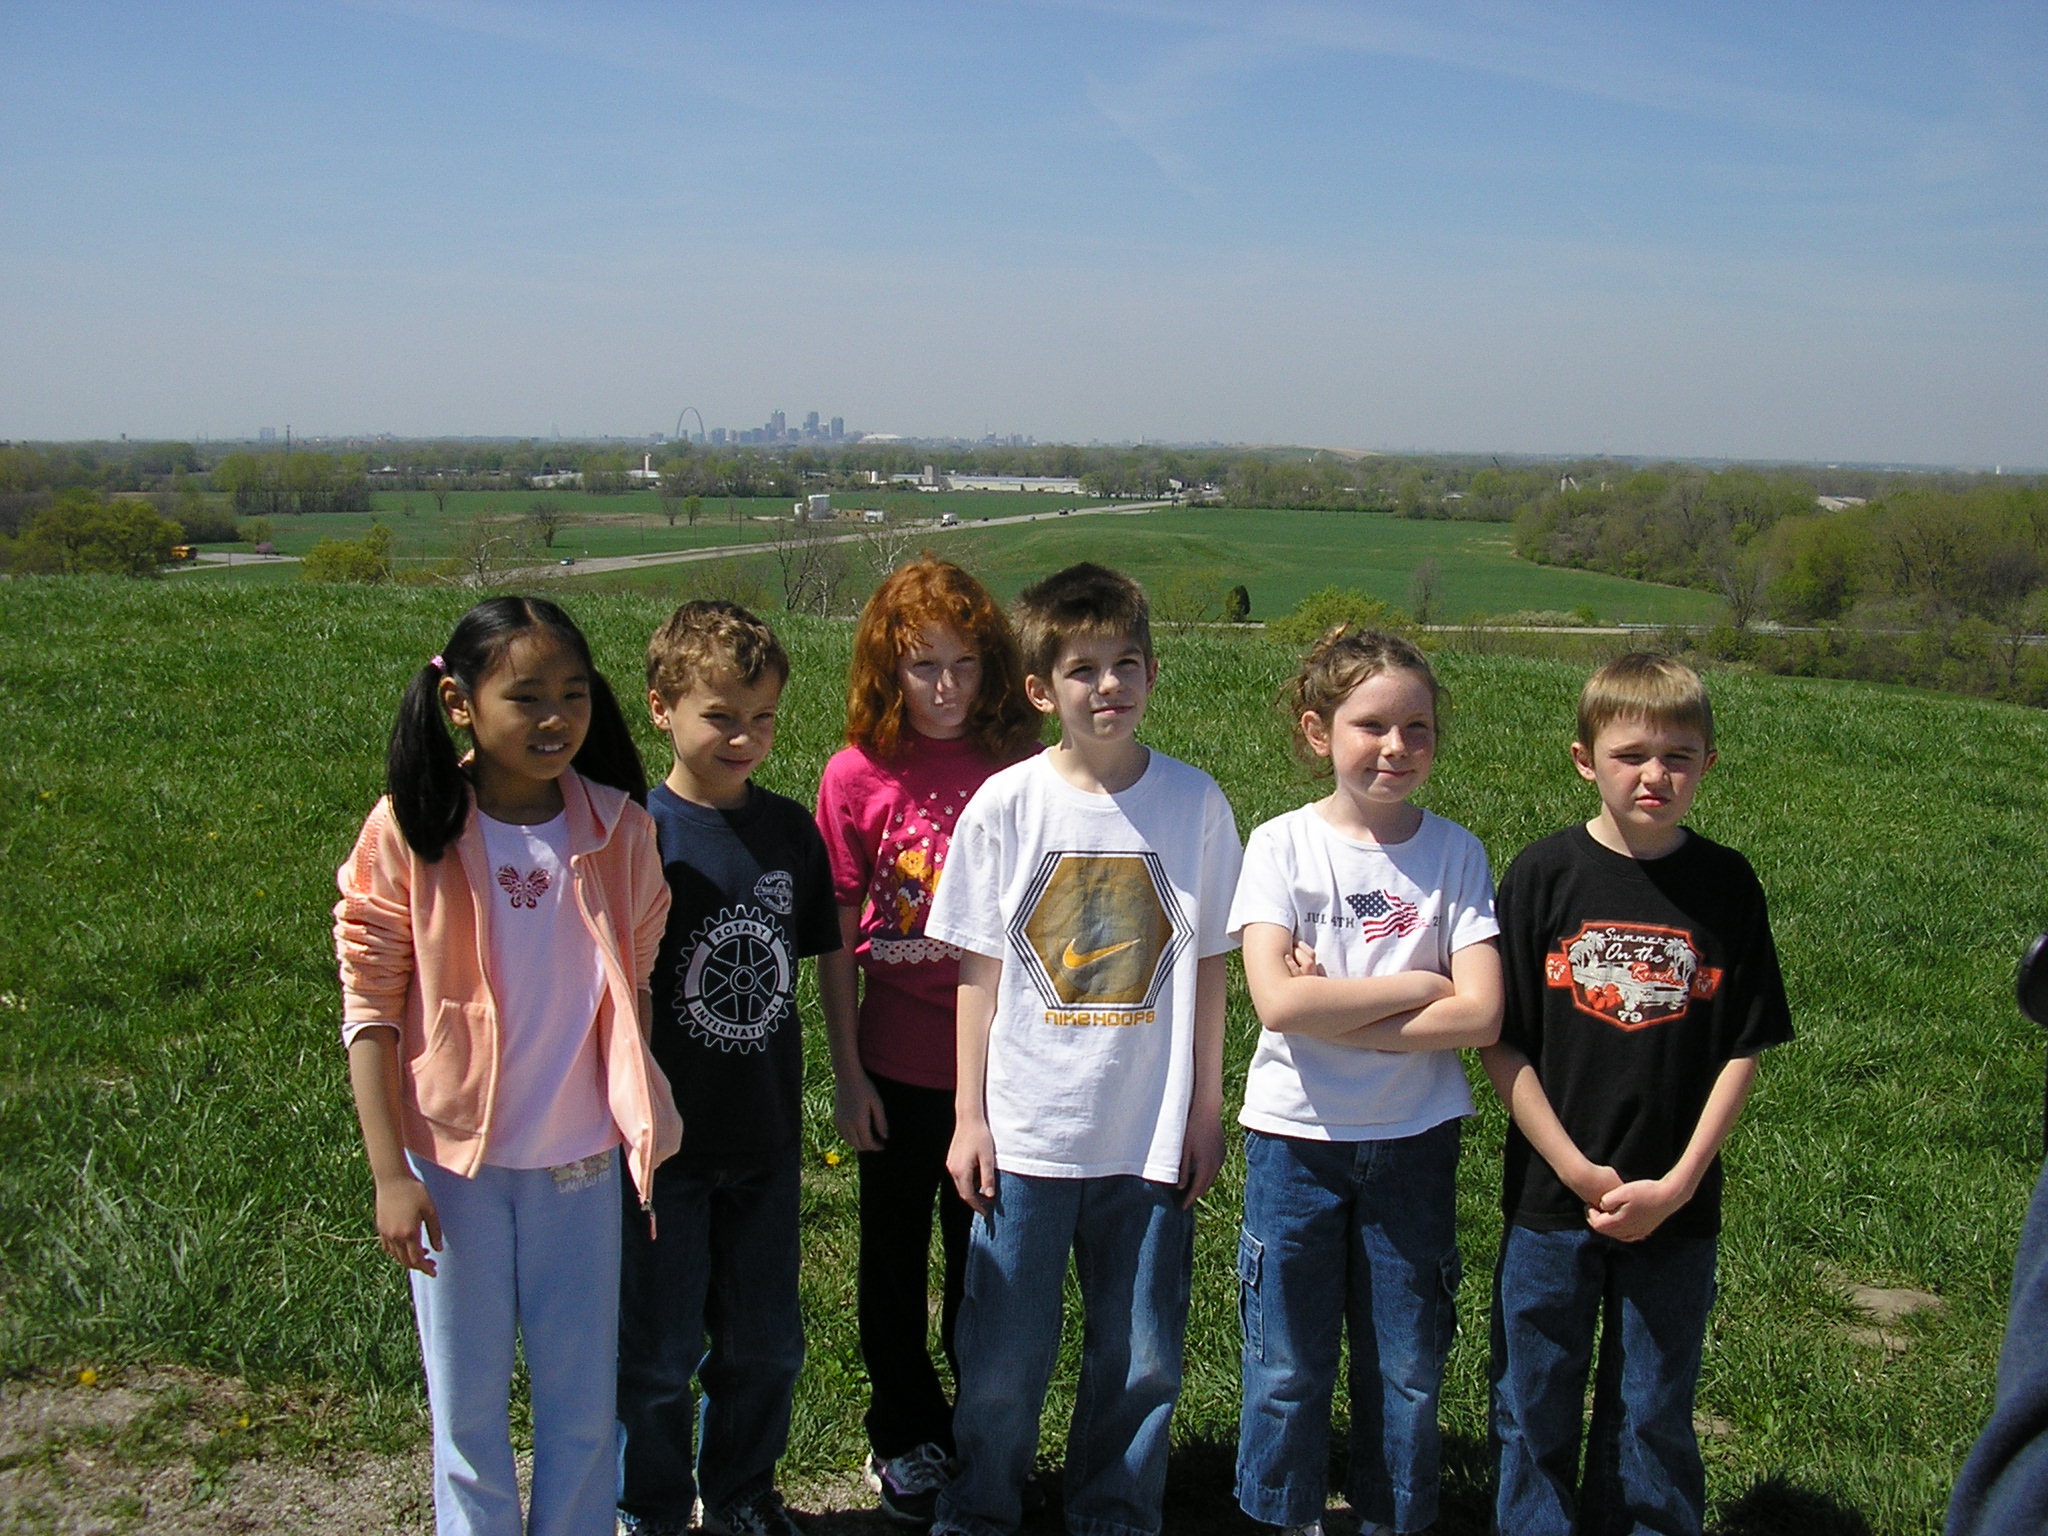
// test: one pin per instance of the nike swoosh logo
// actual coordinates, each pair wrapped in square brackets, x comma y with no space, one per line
[1075,959]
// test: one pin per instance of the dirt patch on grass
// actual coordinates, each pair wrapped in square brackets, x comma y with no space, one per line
[165,1450]
[170,1450]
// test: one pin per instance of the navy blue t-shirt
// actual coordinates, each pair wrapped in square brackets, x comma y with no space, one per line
[751,895]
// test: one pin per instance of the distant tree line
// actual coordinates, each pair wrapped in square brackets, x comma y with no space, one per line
[1936,580]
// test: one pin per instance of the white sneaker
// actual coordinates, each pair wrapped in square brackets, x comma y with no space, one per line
[1307,1528]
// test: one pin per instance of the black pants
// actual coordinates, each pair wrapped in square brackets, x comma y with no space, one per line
[897,1186]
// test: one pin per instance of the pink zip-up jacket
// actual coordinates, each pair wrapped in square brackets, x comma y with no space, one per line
[413,947]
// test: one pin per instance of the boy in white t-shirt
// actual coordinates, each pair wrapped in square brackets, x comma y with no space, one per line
[1088,889]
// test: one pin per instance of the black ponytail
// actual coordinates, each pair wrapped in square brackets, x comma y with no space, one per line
[608,754]
[423,773]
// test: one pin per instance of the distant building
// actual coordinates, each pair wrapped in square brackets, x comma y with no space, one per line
[1839,503]
[838,428]
[1058,485]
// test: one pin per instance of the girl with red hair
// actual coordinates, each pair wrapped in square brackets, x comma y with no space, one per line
[935,703]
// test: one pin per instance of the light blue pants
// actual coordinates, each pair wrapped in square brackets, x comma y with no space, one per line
[531,1251]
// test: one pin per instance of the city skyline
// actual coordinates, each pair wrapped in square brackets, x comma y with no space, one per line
[1756,233]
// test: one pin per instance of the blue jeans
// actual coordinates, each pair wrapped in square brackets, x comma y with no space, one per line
[522,1250]
[1357,1235]
[1649,1303]
[724,1264]
[1133,1249]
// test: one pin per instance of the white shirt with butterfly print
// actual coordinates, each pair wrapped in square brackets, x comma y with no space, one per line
[1368,909]
[551,1107]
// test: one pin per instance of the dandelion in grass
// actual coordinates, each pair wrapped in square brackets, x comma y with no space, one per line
[88,1377]
[832,1159]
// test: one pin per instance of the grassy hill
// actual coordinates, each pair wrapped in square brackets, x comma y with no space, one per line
[182,1178]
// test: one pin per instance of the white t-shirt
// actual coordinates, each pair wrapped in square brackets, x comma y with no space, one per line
[547,979]
[1369,909]
[1099,907]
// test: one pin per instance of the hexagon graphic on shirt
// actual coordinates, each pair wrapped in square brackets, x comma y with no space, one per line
[1099,932]
[1632,975]
[736,980]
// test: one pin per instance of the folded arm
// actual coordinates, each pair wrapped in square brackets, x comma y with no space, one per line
[1295,999]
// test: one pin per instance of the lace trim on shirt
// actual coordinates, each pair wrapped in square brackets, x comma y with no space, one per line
[909,951]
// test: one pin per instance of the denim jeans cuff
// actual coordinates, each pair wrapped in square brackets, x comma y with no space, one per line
[1293,1504]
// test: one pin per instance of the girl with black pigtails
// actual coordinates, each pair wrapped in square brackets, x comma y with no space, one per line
[497,929]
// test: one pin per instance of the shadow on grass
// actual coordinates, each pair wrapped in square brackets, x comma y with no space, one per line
[1777,1507]
[1201,1501]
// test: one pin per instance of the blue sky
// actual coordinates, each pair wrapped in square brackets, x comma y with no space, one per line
[1796,230]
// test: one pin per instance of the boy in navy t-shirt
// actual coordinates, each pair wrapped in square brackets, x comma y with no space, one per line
[1641,986]
[718,1251]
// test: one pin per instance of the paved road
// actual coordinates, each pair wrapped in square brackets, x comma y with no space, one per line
[207,557]
[857,532]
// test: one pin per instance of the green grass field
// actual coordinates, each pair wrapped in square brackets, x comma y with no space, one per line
[1279,556]
[182,1178]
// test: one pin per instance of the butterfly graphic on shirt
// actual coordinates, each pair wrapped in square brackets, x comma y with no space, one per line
[525,890]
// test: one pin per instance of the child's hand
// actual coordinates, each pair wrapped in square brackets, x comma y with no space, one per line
[1201,1157]
[1302,961]
[857,1113]
[1631,1212]
[1592,1183]
[971,1161]
[403,1207]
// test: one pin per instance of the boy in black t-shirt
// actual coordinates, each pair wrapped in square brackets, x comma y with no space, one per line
[717,1252]
[1641,985]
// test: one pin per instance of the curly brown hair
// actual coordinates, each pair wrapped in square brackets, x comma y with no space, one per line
[933,591]
[710,636]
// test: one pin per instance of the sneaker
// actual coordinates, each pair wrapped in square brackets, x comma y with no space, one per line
[758,1514]
[1306,1528]
[909,1484]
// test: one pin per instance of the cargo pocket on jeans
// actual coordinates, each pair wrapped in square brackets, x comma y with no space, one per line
[1251,1260]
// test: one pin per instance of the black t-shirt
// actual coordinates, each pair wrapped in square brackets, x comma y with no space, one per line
[751,896]
[1630,983]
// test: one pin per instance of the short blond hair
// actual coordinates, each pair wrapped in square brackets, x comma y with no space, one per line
[708,637]
[1642,685]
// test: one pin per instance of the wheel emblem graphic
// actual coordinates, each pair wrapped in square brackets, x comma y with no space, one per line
[737,981]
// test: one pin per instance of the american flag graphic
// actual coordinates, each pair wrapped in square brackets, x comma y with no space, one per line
[1381,913]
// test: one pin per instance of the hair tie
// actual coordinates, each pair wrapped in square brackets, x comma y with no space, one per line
[437,663]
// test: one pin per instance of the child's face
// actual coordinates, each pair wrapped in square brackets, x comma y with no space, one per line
[940,676]
[1098,688]
[721,728]
[1381,740]
[1647,775]
[528,716]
